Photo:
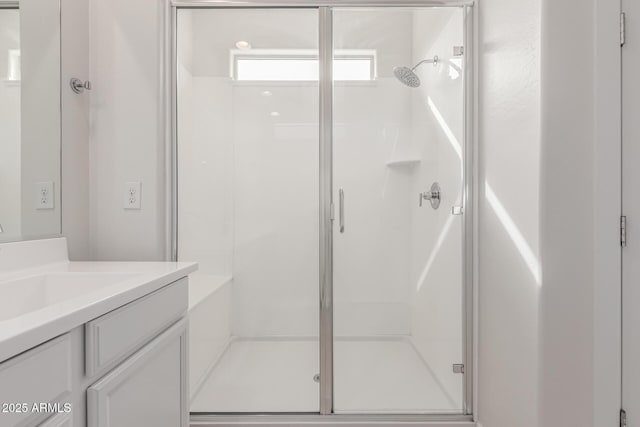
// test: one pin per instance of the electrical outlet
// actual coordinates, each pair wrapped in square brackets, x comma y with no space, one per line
[132,195]
[44,195]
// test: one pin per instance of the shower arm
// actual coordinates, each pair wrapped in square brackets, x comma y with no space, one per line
[433,61]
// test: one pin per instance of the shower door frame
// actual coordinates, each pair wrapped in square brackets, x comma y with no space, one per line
[469,239]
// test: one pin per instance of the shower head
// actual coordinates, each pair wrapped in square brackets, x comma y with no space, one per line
[408,77]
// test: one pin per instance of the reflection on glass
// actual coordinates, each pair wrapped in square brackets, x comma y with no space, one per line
[30,121]
[14,65]
[10,188]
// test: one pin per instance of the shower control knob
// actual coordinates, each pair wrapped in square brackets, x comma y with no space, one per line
[433,196]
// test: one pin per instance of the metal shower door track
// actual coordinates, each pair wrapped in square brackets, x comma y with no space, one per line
[256,4]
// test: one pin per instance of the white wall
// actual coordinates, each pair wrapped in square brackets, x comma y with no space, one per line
[567,239]
[560,339]
[127,125]
[436,235]
[508,218]
[10,188]
[75,128]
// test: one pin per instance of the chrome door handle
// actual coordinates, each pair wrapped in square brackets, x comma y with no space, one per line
[341,192]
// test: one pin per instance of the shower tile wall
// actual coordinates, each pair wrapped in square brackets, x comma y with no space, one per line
[275,182]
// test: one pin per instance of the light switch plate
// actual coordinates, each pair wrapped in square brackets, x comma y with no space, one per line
[132,195]
[44,195]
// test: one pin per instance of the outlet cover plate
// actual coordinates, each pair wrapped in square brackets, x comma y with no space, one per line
[132,195]
[44,195]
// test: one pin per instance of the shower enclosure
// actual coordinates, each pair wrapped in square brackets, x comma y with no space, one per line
[323,175]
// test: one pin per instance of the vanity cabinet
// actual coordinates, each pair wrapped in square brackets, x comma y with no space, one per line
[125,368]
[148,389]
[38,376]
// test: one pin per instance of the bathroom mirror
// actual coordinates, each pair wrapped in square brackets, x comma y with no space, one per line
[30,151]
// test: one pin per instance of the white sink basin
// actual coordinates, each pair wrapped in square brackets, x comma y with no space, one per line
[21,296]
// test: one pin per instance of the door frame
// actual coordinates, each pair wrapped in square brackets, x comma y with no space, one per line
[469,202]
[607,292]
[622,193]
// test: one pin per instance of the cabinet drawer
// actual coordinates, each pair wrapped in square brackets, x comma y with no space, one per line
[148,389]
[111,338]
[39,376]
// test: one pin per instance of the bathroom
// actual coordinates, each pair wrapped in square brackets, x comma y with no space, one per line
[318,213]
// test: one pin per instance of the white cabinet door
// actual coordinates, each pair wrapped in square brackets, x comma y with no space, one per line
[61,420]
[148,389]
[631,209]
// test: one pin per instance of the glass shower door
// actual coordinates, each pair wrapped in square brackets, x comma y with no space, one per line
[398,150]
[248,206]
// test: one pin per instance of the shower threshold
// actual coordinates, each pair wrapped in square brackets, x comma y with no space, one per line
[270,380]
[314,420]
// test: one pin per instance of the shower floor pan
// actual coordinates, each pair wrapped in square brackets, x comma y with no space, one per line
[273,375]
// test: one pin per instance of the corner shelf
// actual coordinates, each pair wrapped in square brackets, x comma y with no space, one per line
[408,162]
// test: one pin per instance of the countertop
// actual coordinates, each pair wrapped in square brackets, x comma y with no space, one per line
[28,330]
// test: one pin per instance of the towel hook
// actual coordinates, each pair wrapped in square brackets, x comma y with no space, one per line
[78,86]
